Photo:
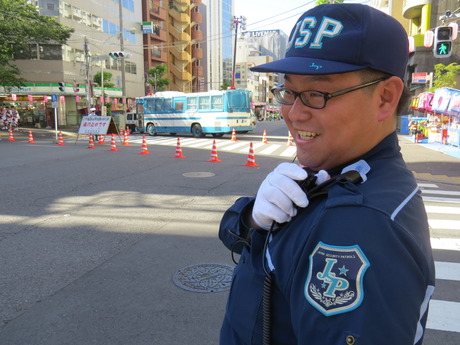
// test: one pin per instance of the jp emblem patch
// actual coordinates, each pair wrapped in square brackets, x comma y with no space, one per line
[335,279]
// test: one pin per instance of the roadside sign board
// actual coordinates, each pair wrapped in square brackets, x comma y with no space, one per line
[95,124]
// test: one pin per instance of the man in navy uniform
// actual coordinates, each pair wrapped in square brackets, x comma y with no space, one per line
[352,265]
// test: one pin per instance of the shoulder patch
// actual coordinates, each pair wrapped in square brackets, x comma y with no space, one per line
[335,278]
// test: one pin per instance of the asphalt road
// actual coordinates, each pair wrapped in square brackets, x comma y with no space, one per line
[90,240]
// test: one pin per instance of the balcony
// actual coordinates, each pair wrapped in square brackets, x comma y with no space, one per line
[159,56]
[197,71]
[180,17]
[177,34]
[197,53]
[180,55]
[197,35]
[158,35]
[197,17]
[158,13]
[180,74]
[413,8]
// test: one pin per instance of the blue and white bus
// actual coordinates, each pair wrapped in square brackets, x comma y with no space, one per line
[212,112]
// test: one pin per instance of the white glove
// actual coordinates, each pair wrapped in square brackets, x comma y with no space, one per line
[279,193]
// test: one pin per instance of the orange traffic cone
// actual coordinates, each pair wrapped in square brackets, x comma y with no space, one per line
[60,140]
[264,137]
[91,142]
[101,140]
[178,150]
[289,142]
[251,159]
[233,135]
[31,138]
[113,144]
[214,157]
[144,149]
[11,138]
[125,140]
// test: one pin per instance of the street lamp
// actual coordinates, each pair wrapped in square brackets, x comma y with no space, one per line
[235,22]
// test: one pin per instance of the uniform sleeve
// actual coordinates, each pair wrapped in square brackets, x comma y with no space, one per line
[360,279]
[233,232]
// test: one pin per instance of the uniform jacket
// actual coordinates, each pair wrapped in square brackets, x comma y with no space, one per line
[354,267]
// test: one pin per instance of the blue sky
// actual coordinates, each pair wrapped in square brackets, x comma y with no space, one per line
[274,14]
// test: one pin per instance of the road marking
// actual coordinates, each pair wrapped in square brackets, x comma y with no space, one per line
[441,192]
[442,209]
[289,152]
[445,224]
[444,316]
[445,243]
[269,150]
[427,185]
[447,270]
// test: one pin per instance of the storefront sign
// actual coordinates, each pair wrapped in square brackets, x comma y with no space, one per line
[419,78]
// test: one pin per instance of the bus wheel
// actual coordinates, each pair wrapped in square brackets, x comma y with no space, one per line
[151,129]
[217,135]
[197,131]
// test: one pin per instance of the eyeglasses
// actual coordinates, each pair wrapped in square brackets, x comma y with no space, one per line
[312,98]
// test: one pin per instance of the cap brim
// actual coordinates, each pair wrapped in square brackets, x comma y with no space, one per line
[302,65]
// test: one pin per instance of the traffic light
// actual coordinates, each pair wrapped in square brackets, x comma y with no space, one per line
[61,86]
[442,42]
[76,87]
[118,55]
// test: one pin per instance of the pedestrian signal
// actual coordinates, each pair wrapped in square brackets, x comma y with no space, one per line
[61,86]
[442,42]
[76,87]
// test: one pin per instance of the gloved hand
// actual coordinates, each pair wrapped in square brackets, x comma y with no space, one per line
[279,193]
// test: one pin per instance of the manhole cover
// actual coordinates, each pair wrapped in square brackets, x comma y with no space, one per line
[199,174]
[204,277]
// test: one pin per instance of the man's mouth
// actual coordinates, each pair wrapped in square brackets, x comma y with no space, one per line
[307,135]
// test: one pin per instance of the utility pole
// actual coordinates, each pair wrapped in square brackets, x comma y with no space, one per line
[122,38]
[89,96]
[235,22]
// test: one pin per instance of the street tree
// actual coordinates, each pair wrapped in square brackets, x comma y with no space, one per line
[97,78]
[156,79]
[21,26]
[445,76]
[322,2]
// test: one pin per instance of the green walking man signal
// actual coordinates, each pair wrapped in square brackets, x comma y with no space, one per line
[442,42]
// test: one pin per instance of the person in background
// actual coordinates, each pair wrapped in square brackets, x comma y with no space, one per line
[335,249]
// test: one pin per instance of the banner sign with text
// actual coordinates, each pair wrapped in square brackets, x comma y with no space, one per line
[94,125]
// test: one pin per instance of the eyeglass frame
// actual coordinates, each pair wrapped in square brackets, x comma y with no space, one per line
[327,95]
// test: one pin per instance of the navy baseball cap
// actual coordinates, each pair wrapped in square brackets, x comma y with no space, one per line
[339,38]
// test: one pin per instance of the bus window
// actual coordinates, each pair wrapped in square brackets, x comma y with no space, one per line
[191,103]
[204,102]
[159,104]
[216,102]
[168,104]
[149,106]
[179,106]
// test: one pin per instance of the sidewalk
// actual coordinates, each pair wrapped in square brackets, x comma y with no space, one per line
[450,150]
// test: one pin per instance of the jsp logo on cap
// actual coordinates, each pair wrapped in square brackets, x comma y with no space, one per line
[328,28]
[340,38]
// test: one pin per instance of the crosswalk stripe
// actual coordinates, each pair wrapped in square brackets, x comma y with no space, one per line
[445,243]
[269,150]
[446,224]
[440,192]
[289,152]
[440,199]
[442,209]
[447,270]
[444,316]
[427,185]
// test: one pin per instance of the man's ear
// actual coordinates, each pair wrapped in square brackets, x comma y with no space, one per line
[390,91]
